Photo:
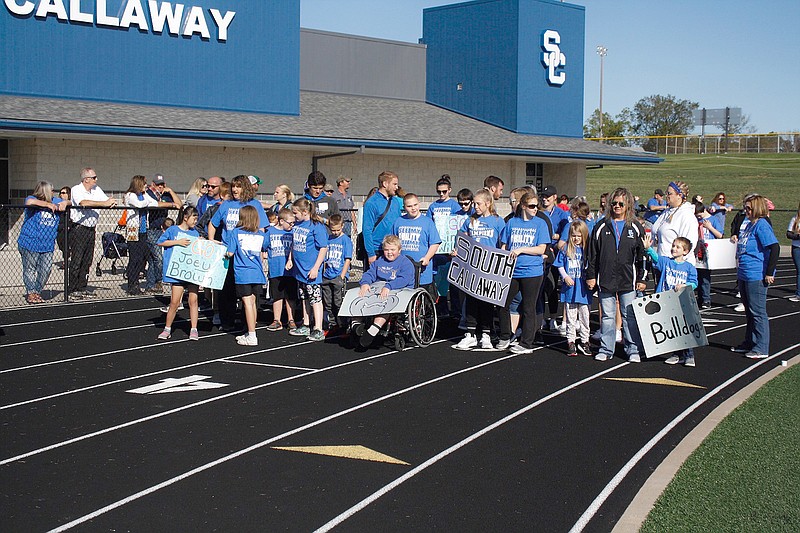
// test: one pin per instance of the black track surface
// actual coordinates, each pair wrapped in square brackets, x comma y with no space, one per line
[487,446]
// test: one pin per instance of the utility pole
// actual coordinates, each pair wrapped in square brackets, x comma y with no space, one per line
[601,51]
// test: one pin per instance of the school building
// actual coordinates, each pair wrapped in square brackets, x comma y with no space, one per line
[224,87]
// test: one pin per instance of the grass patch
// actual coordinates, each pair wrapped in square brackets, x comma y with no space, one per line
[773,175]
[746,475]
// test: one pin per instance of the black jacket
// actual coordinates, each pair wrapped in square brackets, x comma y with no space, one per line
[616,270]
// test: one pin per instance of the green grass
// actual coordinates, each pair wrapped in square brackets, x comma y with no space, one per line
[746,475]
[776,176]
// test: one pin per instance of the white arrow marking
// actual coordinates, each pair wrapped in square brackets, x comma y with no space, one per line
[179,385]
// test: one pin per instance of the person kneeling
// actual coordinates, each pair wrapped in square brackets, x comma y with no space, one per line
[396,270]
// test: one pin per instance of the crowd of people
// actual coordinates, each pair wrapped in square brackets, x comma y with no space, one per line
[566,254]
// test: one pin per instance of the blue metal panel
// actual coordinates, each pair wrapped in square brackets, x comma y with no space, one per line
[256,68]
[494,48]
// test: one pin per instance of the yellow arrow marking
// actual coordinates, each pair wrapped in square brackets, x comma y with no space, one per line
[658,381]
[349,452]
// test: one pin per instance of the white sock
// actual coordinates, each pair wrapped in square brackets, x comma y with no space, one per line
[373,330]
[167,329]
[251,334]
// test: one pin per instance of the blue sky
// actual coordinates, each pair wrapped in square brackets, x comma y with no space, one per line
[735,53]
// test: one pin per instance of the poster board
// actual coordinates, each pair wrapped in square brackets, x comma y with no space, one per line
[481,271]
[448,226]
[201,262]
[720,255]
[669,321]
[372,304]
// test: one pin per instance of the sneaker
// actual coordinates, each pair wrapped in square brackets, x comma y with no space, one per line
[247,340]
[755,355]
[166,308]
[194,335]
[739,349]
[603,357]
[689,362]
[538,339]
[300,331]
[164,335]
[674,360]
[794,298]
[503,344]
[572,350]
[634,358]
[706,305]
[275,326]
[519,349]
[618,337]
[89,294]
[366,339]
[583,349]
[468,342]
[597,335]
[515,341]
[486,342]
[158,288]
[562,329]
[739,308]
[553,326]
[316,335]
[215,320]
[291,324]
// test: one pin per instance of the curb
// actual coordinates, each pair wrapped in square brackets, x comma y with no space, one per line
[641,505]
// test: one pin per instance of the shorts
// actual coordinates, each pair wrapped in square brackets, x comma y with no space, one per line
[283,288]
[248,289]
[307,291]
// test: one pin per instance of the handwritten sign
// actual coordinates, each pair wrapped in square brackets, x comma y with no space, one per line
[200,263]
[448,226]
[481,271]
[669,321]
[720,255]
[371,304]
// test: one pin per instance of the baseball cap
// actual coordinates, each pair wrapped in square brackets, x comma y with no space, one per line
[549,191]
[658,192]
[254,180]
[158,179]
[342,179]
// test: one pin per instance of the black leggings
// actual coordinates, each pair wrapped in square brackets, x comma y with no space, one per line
[480,316]
[530,292]
[137,254]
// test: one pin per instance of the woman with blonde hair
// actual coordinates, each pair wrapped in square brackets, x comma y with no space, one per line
[793,233]
[283,198]
[196,191]
[37,239]
[677,220]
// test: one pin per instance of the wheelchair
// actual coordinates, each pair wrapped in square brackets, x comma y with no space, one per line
[410,313]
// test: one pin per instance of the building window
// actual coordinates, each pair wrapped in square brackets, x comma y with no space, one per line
[534,175]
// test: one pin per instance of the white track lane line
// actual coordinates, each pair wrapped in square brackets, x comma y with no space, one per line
[79,317]
[289,433]
[584,519]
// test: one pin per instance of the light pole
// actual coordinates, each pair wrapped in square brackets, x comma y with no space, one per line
[601,51]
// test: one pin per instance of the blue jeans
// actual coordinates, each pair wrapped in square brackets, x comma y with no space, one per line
[754,298]
[154,257]
[630,332]
[796,259]
[704,285]
[35,270]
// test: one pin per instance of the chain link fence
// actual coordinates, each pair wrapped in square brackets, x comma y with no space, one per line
[108,262]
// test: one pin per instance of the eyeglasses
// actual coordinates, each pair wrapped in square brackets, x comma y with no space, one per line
[618,204]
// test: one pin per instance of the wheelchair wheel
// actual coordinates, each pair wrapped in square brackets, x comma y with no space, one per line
[399,342]
[422,318]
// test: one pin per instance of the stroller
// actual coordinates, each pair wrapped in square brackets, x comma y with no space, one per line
[114,247]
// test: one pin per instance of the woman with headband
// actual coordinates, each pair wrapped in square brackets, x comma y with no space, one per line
[677,220]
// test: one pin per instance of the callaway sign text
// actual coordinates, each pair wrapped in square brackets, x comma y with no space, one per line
[178,19]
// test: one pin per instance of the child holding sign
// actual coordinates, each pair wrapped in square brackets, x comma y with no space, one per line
[178,235]
[245,244]
[676,273]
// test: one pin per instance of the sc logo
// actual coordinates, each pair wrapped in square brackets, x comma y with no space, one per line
[553,58]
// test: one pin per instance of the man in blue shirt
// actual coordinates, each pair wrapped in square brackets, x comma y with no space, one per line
[655,206]
[380,212]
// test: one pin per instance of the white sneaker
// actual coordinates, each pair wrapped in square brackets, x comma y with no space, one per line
[618,338]
[794,298]
[486,342]
[247,340]
[634,358]
[519,349]
[562,329]
[503,345]
[739,308]
[468,342]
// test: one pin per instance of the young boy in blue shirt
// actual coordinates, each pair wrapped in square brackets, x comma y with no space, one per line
[336,271]
[676,273]
[282,285]
[396,270]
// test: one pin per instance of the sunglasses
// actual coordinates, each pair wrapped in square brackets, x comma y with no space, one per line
[464,203]
[204,186]
[64,192]
[442,192]
[618,204]
[532,206]
[748,208]
[212,186]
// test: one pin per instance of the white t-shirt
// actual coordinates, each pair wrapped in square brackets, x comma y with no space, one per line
[795,242]
[86,216]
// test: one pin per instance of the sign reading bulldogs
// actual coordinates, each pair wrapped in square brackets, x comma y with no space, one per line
[669,321]
[199,263]
[481,271]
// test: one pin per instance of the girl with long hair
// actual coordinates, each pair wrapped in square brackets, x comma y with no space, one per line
[575,295]
[793,233]
[136,230]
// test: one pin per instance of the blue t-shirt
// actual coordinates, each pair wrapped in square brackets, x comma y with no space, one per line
[173,233]
[340,249]
[228,213]
[205,202]
[398,274]
[308,238]
[39,229]
[559,219]
[246,247]
[442,208]
[486,229]
[416,236]
[277,245]
[719,211]
[672,272]
[652,215]
[521,233]
[718,224]
[752,252]
[578,293]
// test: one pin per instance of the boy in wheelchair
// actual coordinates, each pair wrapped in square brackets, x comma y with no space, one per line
[393,268]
